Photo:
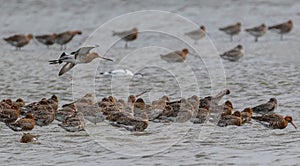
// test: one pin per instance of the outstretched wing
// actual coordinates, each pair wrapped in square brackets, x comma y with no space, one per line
[66,68]
[83,50]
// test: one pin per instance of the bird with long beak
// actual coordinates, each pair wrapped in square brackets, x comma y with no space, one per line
[175,56]
[82,55]
[275,121]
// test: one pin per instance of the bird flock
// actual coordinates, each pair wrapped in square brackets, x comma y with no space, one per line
[134,114]
[20,40]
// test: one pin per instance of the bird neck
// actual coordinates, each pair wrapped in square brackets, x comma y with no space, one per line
[183,55]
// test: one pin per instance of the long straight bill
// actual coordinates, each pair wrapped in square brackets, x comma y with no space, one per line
[106,58]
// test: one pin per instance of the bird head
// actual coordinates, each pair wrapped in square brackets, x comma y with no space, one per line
[290,120]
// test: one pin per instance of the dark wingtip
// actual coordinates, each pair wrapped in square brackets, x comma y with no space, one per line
[63,54]
[227,91]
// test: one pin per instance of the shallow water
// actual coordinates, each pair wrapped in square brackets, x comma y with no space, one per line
[270,68]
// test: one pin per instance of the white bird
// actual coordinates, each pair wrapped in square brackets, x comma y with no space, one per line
[82,55]
[118,72]
[234,54]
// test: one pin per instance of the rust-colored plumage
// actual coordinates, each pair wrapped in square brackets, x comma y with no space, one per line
[275,121]
[24,124]
[176,56]
[65,37]
[128,35]
[234,119]
[27,137]
[19,40]
[282,28]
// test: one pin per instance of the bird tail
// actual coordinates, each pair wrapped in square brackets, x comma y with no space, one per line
[221,29]
[58,61]
[114,33]
[273,27]
[51,62]
[13,126]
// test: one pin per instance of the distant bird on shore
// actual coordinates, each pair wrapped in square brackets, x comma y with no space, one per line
[232,30]
[65,37]
[127,36]
[176,56]
[257,31]
[82,55]
[197,34]
[19,40]
[234,54]
[48,39]
[282,28]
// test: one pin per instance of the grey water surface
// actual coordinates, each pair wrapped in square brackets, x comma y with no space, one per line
[270,68]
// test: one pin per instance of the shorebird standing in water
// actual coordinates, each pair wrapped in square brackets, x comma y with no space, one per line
[232,30]
[197,34]
[270,106]
[176,56]
[47,40]
[282,28]
[127,36]
[234,54]
[27,137]
[23,124]
[18,40]
[257,31]
[275,121]
[65,37]
[234,119]
[82,55]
